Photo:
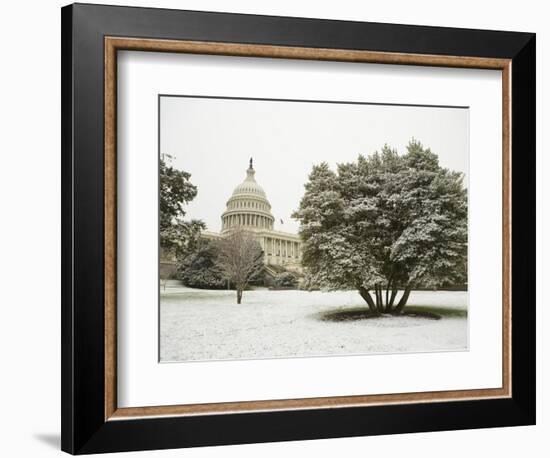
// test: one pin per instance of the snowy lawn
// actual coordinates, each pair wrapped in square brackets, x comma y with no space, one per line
[204,325]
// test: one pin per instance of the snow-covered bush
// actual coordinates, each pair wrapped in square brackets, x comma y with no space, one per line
[285,280]
[200,269]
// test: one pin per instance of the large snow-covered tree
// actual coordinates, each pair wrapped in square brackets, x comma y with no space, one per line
[383,224]
[176,190]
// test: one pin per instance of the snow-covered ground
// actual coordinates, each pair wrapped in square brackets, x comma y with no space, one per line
[205,325]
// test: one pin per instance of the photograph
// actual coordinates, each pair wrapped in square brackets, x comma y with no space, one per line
[305,228]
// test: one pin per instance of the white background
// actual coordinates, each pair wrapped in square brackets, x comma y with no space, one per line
[30,231]
[142,381]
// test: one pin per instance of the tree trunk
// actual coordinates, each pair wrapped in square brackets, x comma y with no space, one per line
[389,302]
[403,301]
[368,299]
[393,295]
[239,295]
[379,305]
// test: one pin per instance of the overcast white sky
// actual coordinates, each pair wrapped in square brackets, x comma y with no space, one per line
[213,140]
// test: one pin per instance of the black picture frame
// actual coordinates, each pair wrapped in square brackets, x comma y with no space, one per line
[84,428]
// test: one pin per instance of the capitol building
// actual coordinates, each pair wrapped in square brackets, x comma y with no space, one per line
[248,208]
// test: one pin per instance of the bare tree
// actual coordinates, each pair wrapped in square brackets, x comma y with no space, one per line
[240,258]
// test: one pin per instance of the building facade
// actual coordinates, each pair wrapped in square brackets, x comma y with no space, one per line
[248,208]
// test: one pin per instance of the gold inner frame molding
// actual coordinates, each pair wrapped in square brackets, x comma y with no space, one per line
[114,44]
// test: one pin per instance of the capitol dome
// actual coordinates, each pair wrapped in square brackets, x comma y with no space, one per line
[248,206]
[249,185]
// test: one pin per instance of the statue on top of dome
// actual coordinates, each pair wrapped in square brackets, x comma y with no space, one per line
[250,167]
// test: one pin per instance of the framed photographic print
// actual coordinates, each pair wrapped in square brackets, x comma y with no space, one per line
[284,228]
